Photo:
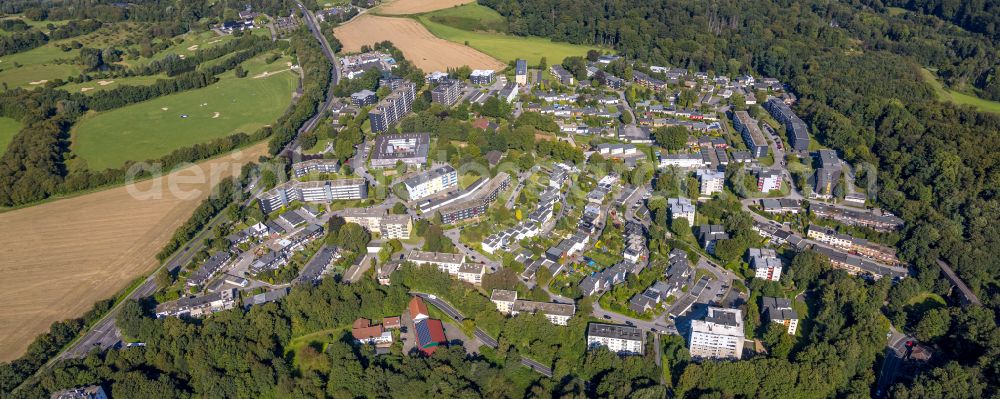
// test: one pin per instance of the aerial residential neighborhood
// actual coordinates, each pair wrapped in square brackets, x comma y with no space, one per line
[518,198]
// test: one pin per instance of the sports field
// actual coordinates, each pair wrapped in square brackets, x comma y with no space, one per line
[959,98]
[60,257]
[499,45]
[8,128]
[106,84]
[404,7]
[37,66]
[417,44]
[154,128]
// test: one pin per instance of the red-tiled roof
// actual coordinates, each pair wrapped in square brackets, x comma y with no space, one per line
[361,323]
[417,308]
[430,335]
[367,332]
[481,123]
[390,322]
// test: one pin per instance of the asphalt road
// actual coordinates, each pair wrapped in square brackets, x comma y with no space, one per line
[310,20]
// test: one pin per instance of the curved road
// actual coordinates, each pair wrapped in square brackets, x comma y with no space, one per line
[310,20]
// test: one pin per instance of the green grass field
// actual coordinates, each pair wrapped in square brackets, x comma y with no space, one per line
[96,86]
[8,128]
[501,46]
[36,65]
[470,17]
[956,97]
[154,128]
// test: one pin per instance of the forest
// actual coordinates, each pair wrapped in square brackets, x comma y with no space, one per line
[855,69]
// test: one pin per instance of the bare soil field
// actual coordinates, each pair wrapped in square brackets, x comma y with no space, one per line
[58,258]
[404,7]
[419,46]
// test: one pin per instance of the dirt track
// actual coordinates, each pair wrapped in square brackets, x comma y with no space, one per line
[418,44]
[58,258]
[403,7]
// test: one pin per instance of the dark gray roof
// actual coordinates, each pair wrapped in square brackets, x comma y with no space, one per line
[614,331]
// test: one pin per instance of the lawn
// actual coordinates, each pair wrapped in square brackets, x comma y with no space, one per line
[8,128]
[36,65]
[956,97]
[154,128]
[100,85]
[501,46]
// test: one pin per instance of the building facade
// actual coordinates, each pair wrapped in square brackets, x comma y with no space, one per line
[442,178]
[393,107]
[623,340]
[719,336]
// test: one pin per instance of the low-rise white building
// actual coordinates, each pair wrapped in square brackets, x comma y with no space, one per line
[556,313]
[504,299]
[433,181]
[623,340]
[448,263]
[711,181]
[682,208]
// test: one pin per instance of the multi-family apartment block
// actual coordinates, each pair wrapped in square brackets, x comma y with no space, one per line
[779,310]
[442,178]
[768,179]
[323,191]
[719,336]
[408,148]
[447,92]
[476,203]
[198,306]
[393,107]
[682,208]
[556,313]
[795,128]
[623,340]
[711,181]
[303,168]
[751,133]
[388,226]
[765,263]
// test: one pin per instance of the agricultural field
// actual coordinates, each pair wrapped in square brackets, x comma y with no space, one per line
[501,46]
[154,128]
[428,52]
[406,7]
[952,96]
[8,128]
[62,256]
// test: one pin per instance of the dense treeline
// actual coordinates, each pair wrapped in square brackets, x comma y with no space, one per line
[24,40]
[977,16]
[856,71]
[318,73]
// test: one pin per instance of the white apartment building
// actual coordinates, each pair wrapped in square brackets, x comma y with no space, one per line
[765,263]
[303,168]
[471,273]
[623,340]
[380,222]
[719,336]
[682,160]
[830,236]
[436,180]
[556,313]
[682,208]
[768,180]
[711,181]
[312,191]
[504,299]
[448,263]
